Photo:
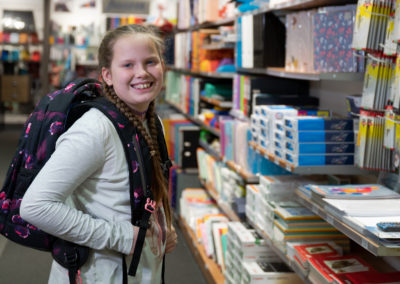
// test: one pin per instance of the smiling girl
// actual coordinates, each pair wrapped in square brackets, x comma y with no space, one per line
[82,193]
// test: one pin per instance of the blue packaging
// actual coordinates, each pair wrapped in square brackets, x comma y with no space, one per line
[319,148]
[319,136]
[300,123]
[319,160]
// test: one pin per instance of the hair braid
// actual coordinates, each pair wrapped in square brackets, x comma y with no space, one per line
[159,184]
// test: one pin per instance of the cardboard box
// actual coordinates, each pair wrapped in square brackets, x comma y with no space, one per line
[15,88]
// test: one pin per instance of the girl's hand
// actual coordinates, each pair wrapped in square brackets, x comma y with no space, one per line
[172,240]
[135,235]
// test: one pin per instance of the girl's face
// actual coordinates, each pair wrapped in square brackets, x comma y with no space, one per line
[136,71]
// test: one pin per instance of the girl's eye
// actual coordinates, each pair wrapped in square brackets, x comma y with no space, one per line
[128,65]
[151,62]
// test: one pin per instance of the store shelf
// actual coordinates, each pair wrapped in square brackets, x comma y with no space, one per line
[219,46]
[376,247]
[239,115]
[308,170]
[282,255]
[311,76]
[209,268]
[306,4]
[200,123]
[210,150]
[21,44]
[247,177]
[206,25]
[221,104]
[297,5]
[221,204]
[218,75]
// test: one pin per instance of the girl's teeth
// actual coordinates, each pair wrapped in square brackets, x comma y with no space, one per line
[142,86]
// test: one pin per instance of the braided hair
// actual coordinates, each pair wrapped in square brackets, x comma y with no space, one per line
[105,55]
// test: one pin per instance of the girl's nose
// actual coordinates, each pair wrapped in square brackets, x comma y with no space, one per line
[140,70]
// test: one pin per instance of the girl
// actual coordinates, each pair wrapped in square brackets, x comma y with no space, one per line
[82,193]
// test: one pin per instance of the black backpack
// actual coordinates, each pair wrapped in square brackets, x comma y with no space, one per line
[51,117]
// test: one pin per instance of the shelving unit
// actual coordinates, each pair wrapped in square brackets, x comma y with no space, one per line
[375,247]
[282,255]
[220,75]
[222,22]
[247,177]
[282,73]
[210,150]
[222,104]
[214,131]
[371,245]
[221,204]
[209,268]
[308,170]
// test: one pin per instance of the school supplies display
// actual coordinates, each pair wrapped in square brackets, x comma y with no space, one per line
[300,41]
[268,272]
[244,245]
[370,24]
[262,41]
[303,252]
[293,223]
[330,26]
[337,269]
[371,152]
[350,191]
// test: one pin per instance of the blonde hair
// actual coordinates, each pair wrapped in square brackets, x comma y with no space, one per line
[105,55]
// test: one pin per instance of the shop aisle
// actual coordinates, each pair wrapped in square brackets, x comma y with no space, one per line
[23,265]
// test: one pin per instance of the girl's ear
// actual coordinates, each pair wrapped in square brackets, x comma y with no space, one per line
[106,74]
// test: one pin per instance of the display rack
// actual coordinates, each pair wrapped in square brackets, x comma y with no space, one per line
[314,76]
[296,5]
[308,170]
[219,46]
[376,247]
[210,150]
[220,75]
[282,255]
[221,104]
[248,178]
[221,204]
[222,22]
[210,269]
[214,131]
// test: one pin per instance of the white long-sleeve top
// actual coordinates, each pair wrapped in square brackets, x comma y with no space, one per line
[82,195]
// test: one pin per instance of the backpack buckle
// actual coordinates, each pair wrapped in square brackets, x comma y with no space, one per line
[150,205]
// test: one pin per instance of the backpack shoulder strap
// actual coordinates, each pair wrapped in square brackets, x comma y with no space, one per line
[127,134]
[166,163]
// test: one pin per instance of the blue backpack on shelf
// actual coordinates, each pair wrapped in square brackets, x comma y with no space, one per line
[52,116]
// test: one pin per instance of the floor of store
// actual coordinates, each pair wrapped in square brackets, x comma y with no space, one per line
[22,265]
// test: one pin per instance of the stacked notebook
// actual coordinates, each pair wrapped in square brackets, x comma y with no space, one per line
[371,209]
[294,223]
[244,245]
